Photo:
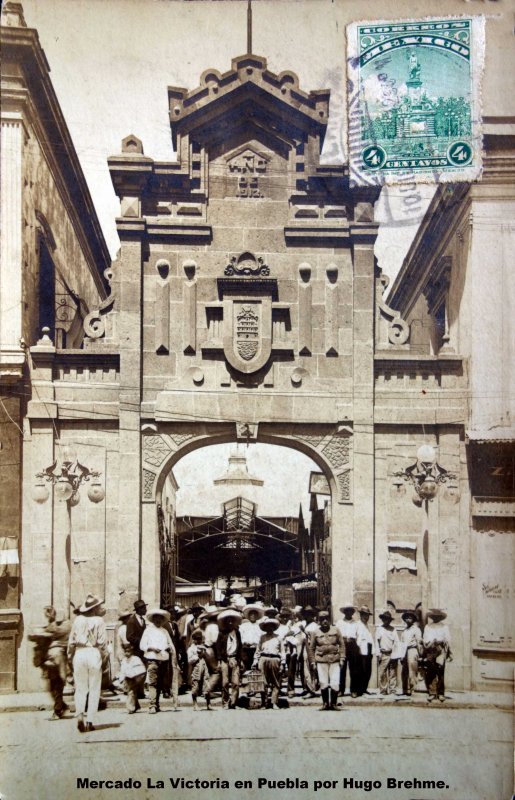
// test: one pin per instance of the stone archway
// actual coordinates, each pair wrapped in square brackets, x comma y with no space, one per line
[329,446]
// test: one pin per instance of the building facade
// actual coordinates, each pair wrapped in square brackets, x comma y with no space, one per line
[246,306]
[53,256]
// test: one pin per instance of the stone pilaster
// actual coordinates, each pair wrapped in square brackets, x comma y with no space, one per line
[363,237]
[130,329]
[13,133]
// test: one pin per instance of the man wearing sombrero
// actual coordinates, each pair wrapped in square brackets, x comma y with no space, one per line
[437,651]
[87,649]
[228,653]
[157,647]
[250,632]
[270,658]
[387,644]
[348,628]
[411,640]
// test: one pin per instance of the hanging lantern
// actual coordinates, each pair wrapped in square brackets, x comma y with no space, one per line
[416,499]
[63,488]
[40,492]
[428,488]
[95,492]
[74,499]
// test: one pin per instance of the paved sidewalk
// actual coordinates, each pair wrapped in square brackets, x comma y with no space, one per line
[41,701]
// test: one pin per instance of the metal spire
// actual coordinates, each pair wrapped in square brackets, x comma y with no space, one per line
[249,26]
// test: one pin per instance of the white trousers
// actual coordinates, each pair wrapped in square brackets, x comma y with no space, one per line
[87,674]
[329,675]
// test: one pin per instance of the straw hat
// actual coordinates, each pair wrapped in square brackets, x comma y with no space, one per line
[409,615]
[269,622]
[157,612]
[348,607]
[253,607]
[229,613]
[386,615]
[90,603]
[436,613]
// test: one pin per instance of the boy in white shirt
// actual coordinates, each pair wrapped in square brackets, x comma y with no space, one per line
[156,645]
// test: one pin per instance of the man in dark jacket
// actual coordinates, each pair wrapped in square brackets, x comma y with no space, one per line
[326,652]
[136,625]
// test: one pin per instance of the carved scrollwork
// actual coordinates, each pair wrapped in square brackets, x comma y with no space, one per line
[94,323]
[398,330]
[246,264]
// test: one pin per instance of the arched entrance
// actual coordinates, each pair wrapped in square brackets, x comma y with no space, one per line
[328,446]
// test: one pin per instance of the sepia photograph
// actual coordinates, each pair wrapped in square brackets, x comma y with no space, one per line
[257,399]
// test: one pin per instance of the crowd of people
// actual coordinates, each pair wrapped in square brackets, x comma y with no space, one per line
[245,651]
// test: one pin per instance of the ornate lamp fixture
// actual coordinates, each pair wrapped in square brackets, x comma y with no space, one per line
[425,476]
[68,481]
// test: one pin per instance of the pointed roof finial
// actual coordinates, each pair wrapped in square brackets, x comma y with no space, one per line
[249,26]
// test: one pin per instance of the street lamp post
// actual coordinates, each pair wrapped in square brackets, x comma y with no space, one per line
[66,478]
[426,477]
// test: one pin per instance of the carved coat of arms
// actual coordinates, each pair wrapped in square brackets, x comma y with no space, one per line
[247,332]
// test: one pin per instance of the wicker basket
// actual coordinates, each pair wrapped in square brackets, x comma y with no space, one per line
[255,681]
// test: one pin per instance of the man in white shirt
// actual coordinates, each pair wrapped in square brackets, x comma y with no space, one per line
[387,643]
[157,646]
[250,633]
[367,650]
[411,640]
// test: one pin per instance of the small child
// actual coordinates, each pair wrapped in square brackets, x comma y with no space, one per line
[132,677]
[197,668]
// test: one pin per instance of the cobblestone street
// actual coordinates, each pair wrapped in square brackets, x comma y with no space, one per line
[468,747]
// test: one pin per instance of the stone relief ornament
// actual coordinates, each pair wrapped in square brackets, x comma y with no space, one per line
[247,332]
[155,450]
[337,451]
[343,481]
[148,484]
[415,99]
[398,329]
[95,322]
[246,264]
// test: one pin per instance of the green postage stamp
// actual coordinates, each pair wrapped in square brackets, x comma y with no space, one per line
[414,100]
